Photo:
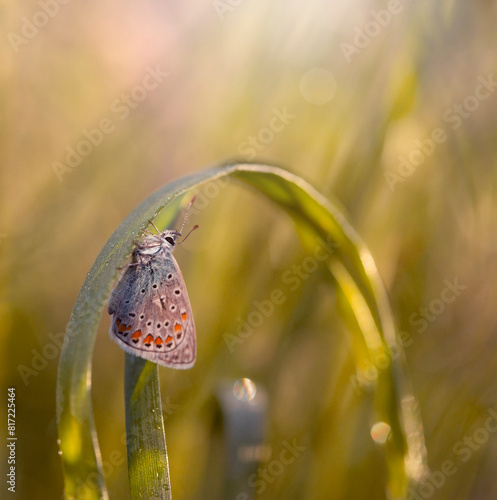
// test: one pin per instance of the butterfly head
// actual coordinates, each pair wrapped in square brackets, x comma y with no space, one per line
[169,237]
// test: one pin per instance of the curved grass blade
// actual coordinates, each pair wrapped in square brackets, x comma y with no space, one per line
[315,216]
[365,299]
[78,443]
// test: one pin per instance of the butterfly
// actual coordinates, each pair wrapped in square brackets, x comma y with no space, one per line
[151,313]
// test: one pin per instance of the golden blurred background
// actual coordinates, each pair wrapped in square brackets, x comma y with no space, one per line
[388,106]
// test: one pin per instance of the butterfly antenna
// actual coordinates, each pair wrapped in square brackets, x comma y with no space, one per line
[189,232]
[158,232]
[186,215]
[156,236]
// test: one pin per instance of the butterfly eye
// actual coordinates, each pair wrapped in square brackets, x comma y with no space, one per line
[170,240]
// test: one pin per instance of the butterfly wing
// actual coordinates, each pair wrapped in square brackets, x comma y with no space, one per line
[152,316]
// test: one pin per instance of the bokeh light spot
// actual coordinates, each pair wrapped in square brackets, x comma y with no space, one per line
[380,432]
[318,86]
[244,389]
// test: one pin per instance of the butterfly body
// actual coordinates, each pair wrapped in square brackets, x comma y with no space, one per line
[152,316]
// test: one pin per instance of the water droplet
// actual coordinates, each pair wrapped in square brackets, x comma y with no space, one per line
[244,389]
[380,432]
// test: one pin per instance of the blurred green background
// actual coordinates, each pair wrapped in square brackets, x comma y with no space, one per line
[389,106]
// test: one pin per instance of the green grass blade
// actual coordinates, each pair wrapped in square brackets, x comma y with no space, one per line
[353,268]
[148,468]
[77,438]
[365,299]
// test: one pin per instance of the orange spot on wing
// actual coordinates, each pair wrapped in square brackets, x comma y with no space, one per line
[169,339]
[148,340]
[128,328]
[122,328]
[183,316]
[136,335]
[118,322]
[177,328]
[158,341]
